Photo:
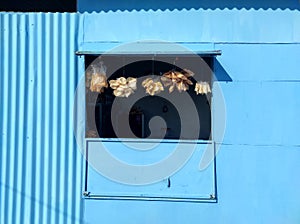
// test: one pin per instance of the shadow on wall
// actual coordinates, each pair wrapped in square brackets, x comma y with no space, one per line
[220,73]
[114,5]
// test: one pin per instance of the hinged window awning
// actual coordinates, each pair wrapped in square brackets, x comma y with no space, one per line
[148,48]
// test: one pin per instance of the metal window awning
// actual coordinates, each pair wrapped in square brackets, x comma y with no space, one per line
[148,48]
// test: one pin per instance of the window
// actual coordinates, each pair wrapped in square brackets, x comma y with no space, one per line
[99,105]
[157,162]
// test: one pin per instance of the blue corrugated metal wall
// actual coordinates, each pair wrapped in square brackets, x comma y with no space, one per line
[258,162]
[40,166]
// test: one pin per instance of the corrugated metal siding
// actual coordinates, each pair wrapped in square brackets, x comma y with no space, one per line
[40,166]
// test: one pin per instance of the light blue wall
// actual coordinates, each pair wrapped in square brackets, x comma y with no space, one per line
[259,158]
[212,26]
[256,184]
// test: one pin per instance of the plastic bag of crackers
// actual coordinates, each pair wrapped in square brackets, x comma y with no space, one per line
[96,78]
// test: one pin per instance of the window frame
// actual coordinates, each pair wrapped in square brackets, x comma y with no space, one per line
[211,199]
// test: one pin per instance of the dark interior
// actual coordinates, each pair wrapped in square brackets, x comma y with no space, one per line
[38,5]
[147,107]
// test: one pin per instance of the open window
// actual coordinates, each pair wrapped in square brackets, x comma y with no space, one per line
[149,146]
[100,118]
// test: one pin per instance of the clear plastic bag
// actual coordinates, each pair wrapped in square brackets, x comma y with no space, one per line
[97,77]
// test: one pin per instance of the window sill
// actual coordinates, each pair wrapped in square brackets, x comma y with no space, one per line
[145,140]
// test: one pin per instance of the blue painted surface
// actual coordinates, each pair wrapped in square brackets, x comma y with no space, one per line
[258,161]
[255,185]
[267,110]
[145,47]
[188,183]
[261,62]
[200,26]
[40,165]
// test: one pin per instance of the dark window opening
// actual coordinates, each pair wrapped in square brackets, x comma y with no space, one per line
[39,6]
[99,124]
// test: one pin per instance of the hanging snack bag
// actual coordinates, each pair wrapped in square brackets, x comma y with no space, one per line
[98,78]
